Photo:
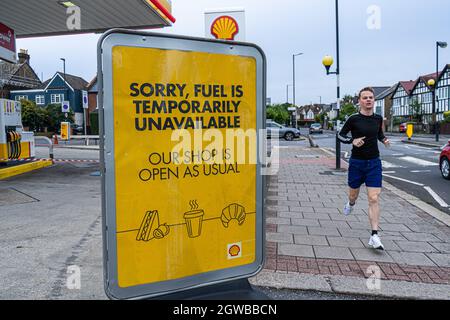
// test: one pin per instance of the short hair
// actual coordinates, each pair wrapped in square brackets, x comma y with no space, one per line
[366,89]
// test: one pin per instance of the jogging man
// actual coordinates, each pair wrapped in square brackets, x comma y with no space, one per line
[366,130]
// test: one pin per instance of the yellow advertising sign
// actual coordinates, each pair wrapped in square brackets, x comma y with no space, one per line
[409,130]
[65,130]
[185,204]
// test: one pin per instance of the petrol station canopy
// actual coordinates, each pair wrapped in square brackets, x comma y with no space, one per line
[50,17]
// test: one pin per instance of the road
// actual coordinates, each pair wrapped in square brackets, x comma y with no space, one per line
[411,168]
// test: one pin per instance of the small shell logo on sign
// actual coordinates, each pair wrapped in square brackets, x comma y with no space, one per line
[224,28]
[234,250]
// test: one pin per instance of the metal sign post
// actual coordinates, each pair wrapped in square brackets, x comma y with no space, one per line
[182,193]
[85,107]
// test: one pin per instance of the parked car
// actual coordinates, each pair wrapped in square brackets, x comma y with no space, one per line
[444,161]
[315,128]
[402,127]
[77,129]
[277,130]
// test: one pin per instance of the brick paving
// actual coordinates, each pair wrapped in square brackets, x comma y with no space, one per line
[308,233]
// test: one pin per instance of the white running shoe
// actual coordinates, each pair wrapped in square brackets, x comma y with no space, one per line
[348,208]
[375,242]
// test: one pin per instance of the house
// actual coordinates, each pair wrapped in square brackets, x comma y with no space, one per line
[17,76]
[383,105]
[92,89]
[307,114]
[443,93]
[377,91]
[422,93]
[401,98]
[333,113]
[61,87]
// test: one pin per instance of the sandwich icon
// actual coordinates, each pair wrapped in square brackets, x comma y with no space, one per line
[151,228]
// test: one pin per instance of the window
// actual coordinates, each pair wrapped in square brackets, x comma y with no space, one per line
[56,98]
[40,100]
[18,98]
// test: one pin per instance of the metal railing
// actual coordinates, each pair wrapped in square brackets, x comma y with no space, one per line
[48,144]
[88,138]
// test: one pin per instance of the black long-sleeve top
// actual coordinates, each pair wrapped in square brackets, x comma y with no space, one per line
[360,126]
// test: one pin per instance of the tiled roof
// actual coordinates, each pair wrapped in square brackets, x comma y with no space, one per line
[379,90]
[75,82]
[9,75]
[92,83]
[408,85]
[385,93]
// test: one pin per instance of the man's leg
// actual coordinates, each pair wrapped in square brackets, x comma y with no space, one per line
[373,195]
[353,196]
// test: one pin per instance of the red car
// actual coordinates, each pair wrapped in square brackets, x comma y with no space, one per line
[402,127]
[444,161]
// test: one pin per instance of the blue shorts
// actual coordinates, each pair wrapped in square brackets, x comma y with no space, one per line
[365,171]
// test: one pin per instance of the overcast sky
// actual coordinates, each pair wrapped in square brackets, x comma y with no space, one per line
[376,52]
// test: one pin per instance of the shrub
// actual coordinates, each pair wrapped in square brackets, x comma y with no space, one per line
[56,116]
[447,117]
[33,117]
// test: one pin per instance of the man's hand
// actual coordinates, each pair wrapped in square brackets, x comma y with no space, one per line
[387,142]
[359,142]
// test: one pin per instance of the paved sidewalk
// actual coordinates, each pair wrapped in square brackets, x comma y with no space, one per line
[312,245]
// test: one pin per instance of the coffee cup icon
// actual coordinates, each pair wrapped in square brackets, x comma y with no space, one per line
[194,220]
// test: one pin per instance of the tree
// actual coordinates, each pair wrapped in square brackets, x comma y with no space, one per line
[347,108]
[320,117]
[415,109]
[32,116]
[56,116]
[447,117]
[278,113]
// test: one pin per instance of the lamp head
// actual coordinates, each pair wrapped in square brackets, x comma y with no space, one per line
[442,44]
[327,62]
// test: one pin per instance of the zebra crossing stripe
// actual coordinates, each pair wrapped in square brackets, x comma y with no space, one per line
[419,162]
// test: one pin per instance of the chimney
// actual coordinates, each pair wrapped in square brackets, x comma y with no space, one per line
[24,57]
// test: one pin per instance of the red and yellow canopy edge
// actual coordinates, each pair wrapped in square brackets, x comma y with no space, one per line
[163,8]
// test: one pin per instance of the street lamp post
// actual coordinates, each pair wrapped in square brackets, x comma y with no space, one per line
[287,92]
[439,44]
[64,76]
[328,62]
[293,84]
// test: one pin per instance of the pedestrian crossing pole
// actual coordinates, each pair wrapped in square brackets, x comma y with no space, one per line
[328,62]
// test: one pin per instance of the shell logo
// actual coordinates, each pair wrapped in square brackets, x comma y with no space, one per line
[225,28]
[234,250]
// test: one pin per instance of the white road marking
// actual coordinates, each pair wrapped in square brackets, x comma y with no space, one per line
[436,197]
[419,171]
[386,164]
[390,172]
[404,180]
[419,162]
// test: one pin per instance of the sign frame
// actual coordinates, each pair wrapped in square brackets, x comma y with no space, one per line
[64,103]
[84,95]
[123,37]
[65,131]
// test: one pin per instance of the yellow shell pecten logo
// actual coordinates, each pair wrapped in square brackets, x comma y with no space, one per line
[225,28]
